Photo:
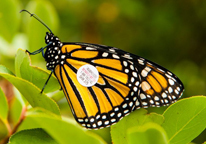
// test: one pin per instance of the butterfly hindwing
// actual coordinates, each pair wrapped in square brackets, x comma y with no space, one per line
[158,86]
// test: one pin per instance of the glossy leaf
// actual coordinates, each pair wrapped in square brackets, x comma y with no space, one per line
[63,131]
[4,106]
[35,75]
[16,111]
[4,127]
[17,107]
[135,119]
[30,92]
[32,136]
[104,133]
[149,133]
[185,119]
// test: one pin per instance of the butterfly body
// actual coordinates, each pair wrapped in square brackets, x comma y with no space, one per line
[53,51]
[124,81]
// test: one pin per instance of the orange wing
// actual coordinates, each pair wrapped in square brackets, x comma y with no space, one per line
[126,82]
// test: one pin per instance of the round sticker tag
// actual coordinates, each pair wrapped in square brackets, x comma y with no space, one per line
[87,75]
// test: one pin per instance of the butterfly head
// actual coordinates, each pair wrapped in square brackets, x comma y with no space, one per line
[50,38]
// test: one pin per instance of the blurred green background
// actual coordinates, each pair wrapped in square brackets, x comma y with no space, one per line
[170,33]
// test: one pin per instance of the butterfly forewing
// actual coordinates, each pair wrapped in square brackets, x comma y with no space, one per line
[126,82]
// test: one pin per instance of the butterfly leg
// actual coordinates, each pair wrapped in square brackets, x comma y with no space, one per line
[39,50]
[46,82]
[35,52]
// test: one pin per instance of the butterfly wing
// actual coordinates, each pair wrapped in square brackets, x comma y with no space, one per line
[126,82]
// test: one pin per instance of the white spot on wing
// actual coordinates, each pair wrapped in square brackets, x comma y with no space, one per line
[112,114]
[171,82]
[126,111]
[125,63]
[80,120]
[144,73]
[99,123]
[127,56]
[56,57]
[116,109]
[151,101]
[126,70]
[119,115]
[176,91]
[105,54]
[156,98]
[145,86]
[115,56]
[148,69]
[170,90]
[98,116]
[144,103]
[166,101]
[137,103]
[106,122]
[63,56]
[141,61]
[113,120]
[131,104]
[104,117]
[132,79]
[164,95]
[131,67]
[134,74]
[137,83]
[92,120]
[124,105]
[135,89]
[90,48]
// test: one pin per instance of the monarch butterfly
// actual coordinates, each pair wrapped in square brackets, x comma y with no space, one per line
[103,84]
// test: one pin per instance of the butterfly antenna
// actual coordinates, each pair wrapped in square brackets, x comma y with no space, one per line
[37,18]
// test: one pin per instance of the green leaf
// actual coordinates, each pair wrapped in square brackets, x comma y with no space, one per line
[33,74]
[4,129]
[30,92]
[135,119]
[4,125]
[5,70]
[104,133]
[32,136]
[35,30]
[149,133]
[63,131]
[9,19]
[17,108]
[185,119]
[4,106]
[16,111]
